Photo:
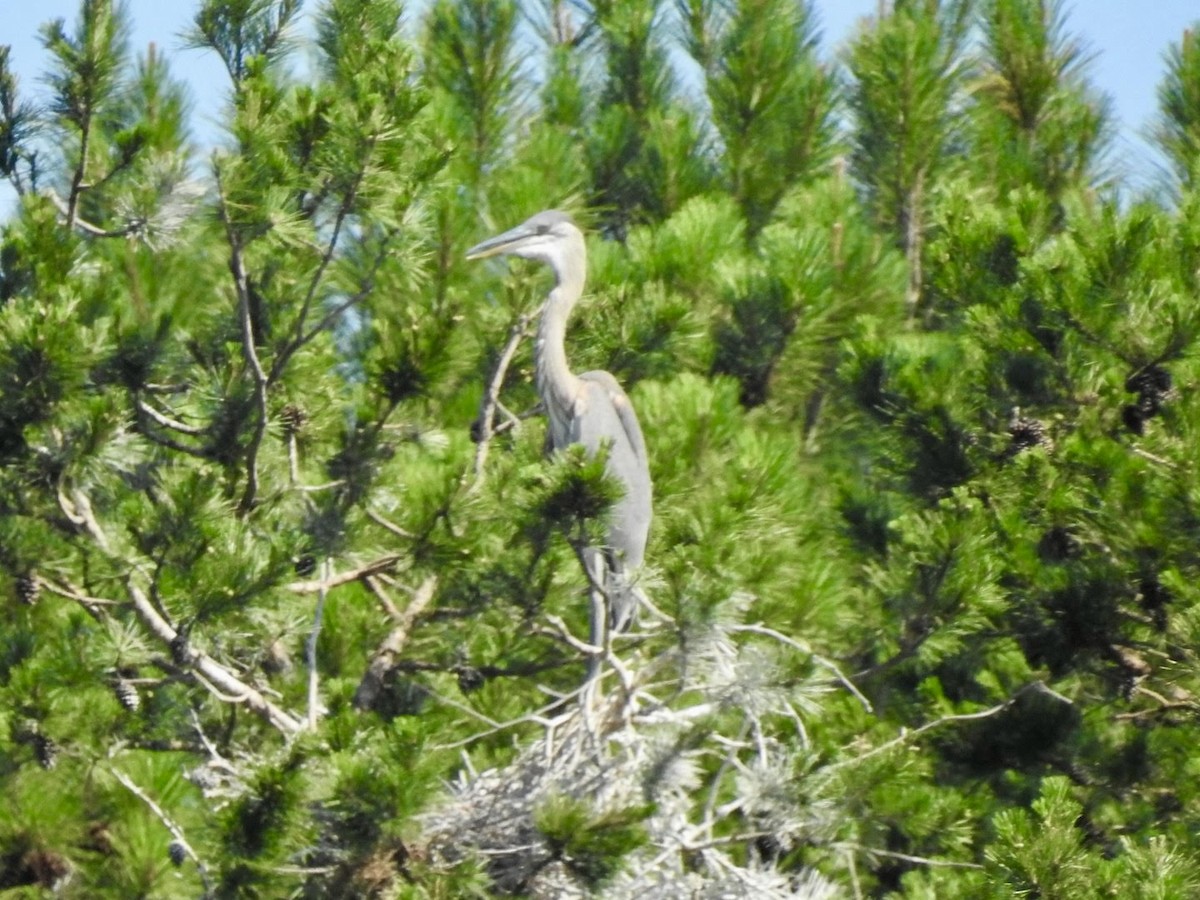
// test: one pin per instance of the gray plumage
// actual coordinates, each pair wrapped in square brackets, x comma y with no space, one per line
[589,409]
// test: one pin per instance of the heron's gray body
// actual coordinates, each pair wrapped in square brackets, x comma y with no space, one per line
[589,409]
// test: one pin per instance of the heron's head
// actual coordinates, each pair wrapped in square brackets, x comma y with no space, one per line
[550,237]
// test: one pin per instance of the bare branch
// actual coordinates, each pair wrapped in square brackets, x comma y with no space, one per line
[73,220]
[372,680]
[491,397]
[75,594]
[310,648]
[905,857]
[381,595]
[372,568]
[231,687]
[171,825]
[242,290]
[167,422]
[906,736]
[385,523]
[828,664]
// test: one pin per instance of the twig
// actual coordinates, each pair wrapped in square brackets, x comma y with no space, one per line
[919,860]
[384,523]
[367,286]
[317,488]
[907,735]
[816,657]
[372,680]
[73,593]
[491,397]
[167,422]
[85,135]
[376,589]
[1158,460]
[73,220]
[298,339]
[215,758]
[242,290]
[372,568]
[310,649]
[537,717]
[171,825]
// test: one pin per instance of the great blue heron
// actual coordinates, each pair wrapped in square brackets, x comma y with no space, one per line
[589,409]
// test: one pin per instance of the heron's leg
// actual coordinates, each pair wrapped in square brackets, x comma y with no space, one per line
[598,608]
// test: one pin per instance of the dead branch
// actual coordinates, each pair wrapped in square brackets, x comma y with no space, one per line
[491,397]
[231,688]
[372,568]
[241,285]
[310,649]
[171,825]
[385,601]
[167,422]
[827,664]
[372,680]
[387,524]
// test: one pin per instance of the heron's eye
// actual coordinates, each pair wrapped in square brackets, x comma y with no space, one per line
[543,229]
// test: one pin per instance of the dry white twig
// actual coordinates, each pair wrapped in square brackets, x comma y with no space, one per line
[310,648]
[171,825]
[491,397]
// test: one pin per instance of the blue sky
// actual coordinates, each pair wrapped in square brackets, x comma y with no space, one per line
[1129,39]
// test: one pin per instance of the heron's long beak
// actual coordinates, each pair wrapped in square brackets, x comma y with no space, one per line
[501,243]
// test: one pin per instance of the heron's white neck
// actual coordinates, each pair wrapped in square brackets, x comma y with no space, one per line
[556,384]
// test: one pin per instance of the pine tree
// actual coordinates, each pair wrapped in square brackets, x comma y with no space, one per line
[772,100]
[1177,132]
[908,69]
[292,591]
[1040,123]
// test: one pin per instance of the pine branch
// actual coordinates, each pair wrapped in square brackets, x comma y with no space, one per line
[246,322]
[228,686]
[167,422]
[382,564]
[314,283]
[171,825]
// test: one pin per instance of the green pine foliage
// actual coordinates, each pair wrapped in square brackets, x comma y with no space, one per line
[1177,131]
[293,595]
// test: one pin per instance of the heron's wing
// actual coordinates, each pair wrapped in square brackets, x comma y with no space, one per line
[622,406]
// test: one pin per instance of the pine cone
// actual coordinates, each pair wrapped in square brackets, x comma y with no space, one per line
[45,750]
[1134,419]
[293,418]
[27,588]
[1026,433]
[1153,386]
[1058,544]
[127,695]
[470,679]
